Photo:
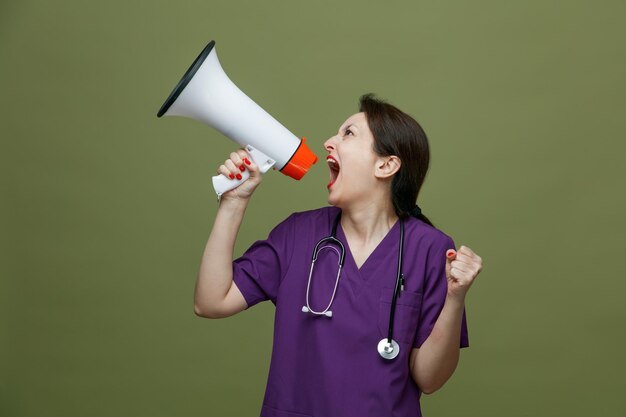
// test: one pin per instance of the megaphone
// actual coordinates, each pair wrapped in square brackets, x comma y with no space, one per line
[206,94]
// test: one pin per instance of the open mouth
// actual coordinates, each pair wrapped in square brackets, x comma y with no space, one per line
[334,170]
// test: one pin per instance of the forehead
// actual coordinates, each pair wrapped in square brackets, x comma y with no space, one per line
[358,119]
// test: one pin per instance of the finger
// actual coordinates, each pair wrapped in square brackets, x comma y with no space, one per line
[249,163]
[461,276]
[252,166]
[225,172]
[243,154]
[454,273]
[458,275]
[450,255]
[470,256]
[462,257]
[237,160]
[467,251]
[234,170]
[461,266]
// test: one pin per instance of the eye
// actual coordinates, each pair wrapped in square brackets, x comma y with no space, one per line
[348,132]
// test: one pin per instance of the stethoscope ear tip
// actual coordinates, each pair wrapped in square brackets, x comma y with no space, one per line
[305,309]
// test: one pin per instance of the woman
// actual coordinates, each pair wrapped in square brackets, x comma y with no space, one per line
[331,354]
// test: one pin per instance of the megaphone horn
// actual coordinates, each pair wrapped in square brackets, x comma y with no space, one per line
[206,94]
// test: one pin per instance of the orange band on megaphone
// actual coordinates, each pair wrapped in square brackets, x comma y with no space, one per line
[300,161]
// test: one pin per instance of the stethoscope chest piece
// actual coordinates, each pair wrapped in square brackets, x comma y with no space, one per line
[388,350]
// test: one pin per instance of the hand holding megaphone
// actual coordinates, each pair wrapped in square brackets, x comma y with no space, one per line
[206,94]
[234,172]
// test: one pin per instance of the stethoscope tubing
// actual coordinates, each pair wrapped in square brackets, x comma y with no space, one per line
[398,286]
[387,347]
[308,285]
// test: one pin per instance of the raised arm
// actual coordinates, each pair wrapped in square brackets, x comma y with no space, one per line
[216,295]
[435,361]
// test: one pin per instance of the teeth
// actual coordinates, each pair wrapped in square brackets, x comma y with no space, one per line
[332,163]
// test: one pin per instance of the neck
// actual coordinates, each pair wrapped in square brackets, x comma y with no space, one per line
[368,221]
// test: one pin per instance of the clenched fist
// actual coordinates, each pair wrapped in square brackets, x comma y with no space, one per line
[462,267]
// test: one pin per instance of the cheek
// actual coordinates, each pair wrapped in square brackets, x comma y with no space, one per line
[359,174]
[357,165]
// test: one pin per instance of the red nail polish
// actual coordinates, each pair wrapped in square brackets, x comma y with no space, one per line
[247,161]
[238,176]
[242,168]
[231,176]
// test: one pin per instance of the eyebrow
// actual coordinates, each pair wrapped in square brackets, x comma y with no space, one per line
[349,126]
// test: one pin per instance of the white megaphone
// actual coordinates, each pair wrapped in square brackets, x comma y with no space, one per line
[206,94]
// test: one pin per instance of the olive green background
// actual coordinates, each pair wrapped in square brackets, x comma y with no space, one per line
[106,208]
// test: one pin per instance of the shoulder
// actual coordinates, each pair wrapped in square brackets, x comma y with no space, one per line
[310,222]
[316,217]
[427,236]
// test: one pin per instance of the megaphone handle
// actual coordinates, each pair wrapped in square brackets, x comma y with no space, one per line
[221,184]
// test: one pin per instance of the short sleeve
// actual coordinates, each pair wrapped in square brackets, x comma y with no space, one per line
[434,294]
[259,271]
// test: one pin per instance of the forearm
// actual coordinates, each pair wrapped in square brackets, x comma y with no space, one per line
[439,354]
[215,275]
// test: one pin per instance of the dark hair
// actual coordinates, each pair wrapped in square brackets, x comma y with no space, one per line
[397,133]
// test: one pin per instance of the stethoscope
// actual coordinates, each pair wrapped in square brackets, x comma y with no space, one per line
[387,347]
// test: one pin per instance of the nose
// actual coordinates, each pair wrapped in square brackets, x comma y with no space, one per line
[330,143]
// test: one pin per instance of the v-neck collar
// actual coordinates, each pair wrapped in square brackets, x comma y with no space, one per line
[375,259]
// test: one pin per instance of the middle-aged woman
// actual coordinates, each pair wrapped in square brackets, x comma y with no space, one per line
[332,355]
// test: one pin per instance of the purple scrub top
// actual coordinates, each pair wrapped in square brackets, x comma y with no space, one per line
[330,367]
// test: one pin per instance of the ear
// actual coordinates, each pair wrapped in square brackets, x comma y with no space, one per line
[387,166]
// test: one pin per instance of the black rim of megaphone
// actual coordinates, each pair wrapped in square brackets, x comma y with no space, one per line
[186,78]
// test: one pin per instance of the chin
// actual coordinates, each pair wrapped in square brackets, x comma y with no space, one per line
[332,200]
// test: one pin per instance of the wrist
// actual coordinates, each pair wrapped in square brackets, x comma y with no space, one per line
[455,300]
[236,203]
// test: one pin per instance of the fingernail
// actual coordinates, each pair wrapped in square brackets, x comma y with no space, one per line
[238,176]
[241,168]
[449,254]
[247,161]
[231,176]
